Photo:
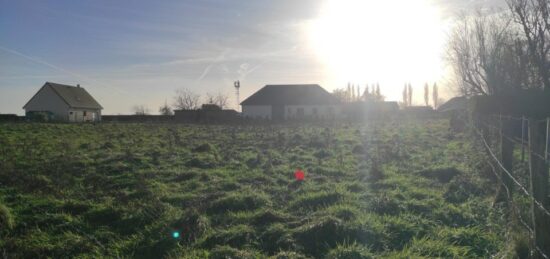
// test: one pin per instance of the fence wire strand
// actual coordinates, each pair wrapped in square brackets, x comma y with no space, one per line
[509,194]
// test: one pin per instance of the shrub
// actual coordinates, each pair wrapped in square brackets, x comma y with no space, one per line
[7,220]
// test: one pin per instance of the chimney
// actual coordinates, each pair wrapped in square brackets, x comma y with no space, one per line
[78,85]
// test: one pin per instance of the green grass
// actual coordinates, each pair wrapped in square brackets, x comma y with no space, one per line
[394,189]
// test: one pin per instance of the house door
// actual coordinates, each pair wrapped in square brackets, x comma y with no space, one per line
[278,112]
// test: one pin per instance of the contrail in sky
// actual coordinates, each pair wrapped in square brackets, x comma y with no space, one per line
[38,61]
[58,68]
[207,69]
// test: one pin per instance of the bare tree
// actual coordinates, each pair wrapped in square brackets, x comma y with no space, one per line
[366,92]
[341,95]
[378,94]
[218,99]
[140,110]
[405,96]
[166,109]
[427,94]
[410,93]
[435,96]
[348,93]
[533,16]
[185,99]
[486,55]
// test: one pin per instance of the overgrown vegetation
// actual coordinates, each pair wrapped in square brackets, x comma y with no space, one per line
[396,189]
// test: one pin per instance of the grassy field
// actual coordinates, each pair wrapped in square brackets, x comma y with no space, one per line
[395,189]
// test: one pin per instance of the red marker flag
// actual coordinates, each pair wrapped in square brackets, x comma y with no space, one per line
[299,175]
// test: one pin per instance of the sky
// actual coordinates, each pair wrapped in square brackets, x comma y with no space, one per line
[136,52]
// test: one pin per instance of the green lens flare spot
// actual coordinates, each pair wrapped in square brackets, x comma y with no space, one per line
[175,234]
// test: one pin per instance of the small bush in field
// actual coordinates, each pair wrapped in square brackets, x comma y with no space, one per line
[7,222]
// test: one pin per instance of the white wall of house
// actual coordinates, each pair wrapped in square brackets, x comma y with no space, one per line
[47,100]
[84,115]
[312,111]
[257,111]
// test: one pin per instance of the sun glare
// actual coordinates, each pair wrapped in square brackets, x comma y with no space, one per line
[369,41]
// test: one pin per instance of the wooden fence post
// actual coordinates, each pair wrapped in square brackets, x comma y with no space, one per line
[507,158]
[538,170]
[522,139]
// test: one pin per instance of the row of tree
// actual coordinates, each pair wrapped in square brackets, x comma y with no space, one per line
[186,99]
[408,93]
[353,93]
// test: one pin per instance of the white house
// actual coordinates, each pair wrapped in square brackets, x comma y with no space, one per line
[283,102]
[64,103]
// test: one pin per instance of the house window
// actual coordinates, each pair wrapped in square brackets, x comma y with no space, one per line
[84,113]
[71,113]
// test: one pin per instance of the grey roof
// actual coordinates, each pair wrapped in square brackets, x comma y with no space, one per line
[300,94]
[456,103]
[74,96]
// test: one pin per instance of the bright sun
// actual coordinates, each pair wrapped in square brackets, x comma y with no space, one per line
[390,42]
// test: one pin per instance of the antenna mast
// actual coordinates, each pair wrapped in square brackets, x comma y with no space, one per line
[237,85]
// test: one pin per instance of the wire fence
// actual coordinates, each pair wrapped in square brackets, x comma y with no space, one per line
[497,165]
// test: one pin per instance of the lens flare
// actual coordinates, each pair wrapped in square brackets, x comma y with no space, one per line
[175,234]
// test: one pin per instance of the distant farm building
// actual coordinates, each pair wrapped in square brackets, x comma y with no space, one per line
[209,113]
[456,104]
[286,102]
[366,109]
[57,102]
